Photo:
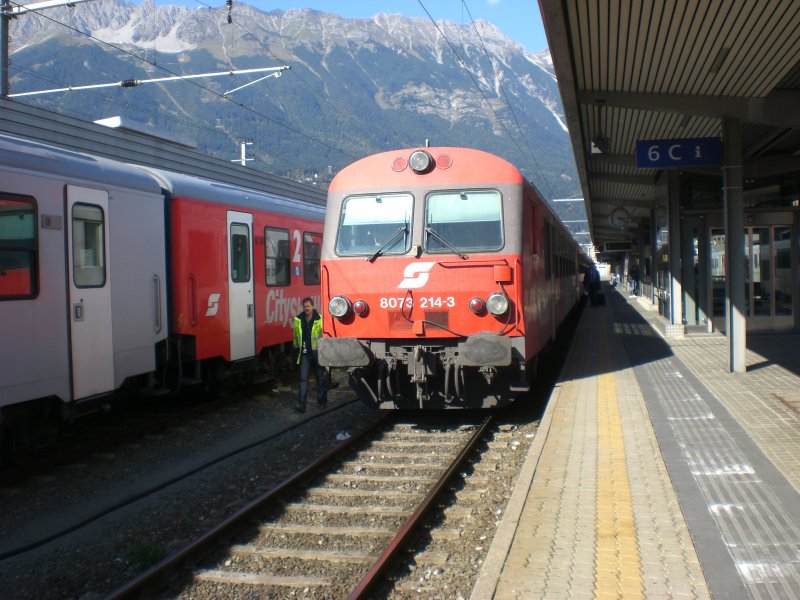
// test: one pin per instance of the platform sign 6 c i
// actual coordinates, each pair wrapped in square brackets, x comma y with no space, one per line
[682,152]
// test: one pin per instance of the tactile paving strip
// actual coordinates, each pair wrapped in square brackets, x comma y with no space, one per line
[743,516]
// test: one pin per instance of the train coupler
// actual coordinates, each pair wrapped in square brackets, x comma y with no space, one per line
[523,385]
[488,374]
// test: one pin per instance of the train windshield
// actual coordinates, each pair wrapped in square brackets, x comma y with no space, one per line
[467,220]
[377,221]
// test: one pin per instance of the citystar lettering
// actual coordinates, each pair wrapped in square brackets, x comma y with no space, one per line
[282,310]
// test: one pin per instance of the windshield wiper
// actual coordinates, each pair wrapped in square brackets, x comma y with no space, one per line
[446,243]
[389,240]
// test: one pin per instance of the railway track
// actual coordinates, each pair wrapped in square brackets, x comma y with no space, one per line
[102,433]
[124,422]
[333,530]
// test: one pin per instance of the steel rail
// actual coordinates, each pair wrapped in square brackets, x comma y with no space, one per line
[161,573]
[376,571]
[66,451]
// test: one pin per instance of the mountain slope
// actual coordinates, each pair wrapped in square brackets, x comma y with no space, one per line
[355,86]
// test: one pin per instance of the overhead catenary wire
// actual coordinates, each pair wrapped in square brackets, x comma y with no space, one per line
[136,82]
[508,102]
[294,74]
[475,82]
[459,58]
[225,95]
[144,111]
[191,81]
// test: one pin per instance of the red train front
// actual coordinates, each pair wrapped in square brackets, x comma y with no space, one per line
[440,278]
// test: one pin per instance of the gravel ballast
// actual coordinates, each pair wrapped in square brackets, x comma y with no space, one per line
[106,553]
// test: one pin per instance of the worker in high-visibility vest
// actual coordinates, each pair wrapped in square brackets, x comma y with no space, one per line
[307,331]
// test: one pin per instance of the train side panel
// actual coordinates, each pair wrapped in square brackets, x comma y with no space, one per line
[199,279]
[284,243]
[278,269]
[34,353]
[88,319]
[537,290]
[109,277]
[139,286]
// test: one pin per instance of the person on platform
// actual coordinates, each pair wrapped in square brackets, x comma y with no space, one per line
[307,332]
[591,283]
[635,280]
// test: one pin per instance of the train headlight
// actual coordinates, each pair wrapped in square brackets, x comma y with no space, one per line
[497,304]
[477,305]
[420,161]
[339,306]
[360,308]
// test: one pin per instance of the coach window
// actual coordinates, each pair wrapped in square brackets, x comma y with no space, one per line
[18,248]
[466,220]
[88,245]
[240,253]
[375,222]
[276,251]
[312,242]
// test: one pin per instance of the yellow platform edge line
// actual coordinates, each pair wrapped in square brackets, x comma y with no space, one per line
[618,571]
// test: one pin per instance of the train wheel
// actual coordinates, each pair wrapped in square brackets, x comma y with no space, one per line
[28,429]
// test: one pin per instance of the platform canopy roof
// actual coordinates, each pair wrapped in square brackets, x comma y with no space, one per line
[633,70]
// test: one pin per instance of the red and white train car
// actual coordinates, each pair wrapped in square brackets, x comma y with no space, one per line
[118,275]
[241,263]
[445,275]
[82,278]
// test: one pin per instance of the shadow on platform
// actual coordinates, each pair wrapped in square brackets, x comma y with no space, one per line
[645,345]
[627,326]
[782,349]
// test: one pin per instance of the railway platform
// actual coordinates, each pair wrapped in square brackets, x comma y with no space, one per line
[657,473]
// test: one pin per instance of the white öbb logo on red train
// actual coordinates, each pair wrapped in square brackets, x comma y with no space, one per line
[213,305]
[416,275]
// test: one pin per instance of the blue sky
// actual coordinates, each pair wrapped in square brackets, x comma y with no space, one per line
[518,19]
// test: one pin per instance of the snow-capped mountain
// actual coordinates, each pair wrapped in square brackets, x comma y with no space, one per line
[355,86]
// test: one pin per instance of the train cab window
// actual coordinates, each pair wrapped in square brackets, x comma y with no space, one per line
[88,245]
[276,251]
[312,244]
[466,220]
[373,223]
[240,253]
[18,248]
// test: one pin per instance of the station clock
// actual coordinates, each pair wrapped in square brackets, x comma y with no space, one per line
[619,218]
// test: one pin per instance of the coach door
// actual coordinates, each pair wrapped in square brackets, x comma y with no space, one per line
[241,285]
[91,342]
